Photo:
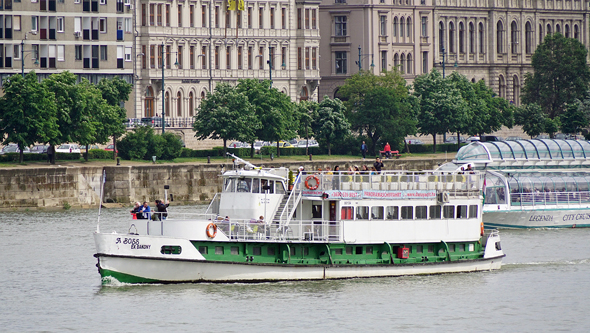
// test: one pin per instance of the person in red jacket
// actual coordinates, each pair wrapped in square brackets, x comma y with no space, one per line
[387,150]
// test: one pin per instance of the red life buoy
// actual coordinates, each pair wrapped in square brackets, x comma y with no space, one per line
[312,187]
[211,234]
[482,231]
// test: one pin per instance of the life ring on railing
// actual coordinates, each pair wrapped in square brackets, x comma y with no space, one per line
[482,232]
[211,234]
[312,187]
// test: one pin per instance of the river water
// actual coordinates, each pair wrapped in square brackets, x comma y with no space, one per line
[49,283]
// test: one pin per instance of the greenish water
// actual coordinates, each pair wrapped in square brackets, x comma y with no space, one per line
[49,283]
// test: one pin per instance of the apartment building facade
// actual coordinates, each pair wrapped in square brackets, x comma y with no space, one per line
[491,40]
[90,38]
[200,44]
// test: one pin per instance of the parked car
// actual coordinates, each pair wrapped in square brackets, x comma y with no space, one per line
[293,142]
[542,136]
[485,138]
[235,145]
[453,139]
[414,142]
[13,148]
[39,149]
[513,138]
[303,143]
[68,148]
[282,144]
[111,147]
[258,145]
[472,139]
[83,147]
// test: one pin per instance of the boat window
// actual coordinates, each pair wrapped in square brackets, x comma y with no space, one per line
[358,250]
[369,250]
[280,188]
[229,185]
[419,248]
[271,183]
[472,211]
[244,184]
[338,251]
[435,212]
[421,212]
[293,251]
[235,250]
[407,212]
[377,213]
[362,213]
[449,212]
[461,247]
[462,212]
[255,185]
[316,211]
[347,213]
[349,250]
[270,251]
[451,247]
[393,213]
[219,250]
[203,250]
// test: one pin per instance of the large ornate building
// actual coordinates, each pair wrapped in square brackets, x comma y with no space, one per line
[482,39]
[202,44]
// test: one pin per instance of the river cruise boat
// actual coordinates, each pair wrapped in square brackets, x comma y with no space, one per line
[329,226]
[531,183]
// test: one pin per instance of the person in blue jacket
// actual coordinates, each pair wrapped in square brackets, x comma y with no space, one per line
[146,210]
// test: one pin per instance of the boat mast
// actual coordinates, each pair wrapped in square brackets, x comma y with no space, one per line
[242,161]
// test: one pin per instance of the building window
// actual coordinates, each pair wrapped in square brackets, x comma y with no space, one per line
[383,61]
[168,57]
[514,37]
[191,104]
[567,31]
[78,52]
[143,15]
[191,18]
[250,57]
[529,38]
[306,18]
[160,63]
[402,64]
[424,62]
[548,31]
[167,15]
[249,17]
[314,24]
[481,39]
[238,19]
[299,18]
[409,64]
[152,10]
[396,62]
[203,16]
[501,87]
[240,59]
[228,57]
[409,29]
[143,56]
[383,24]
[451,37]
[180,56]
[103,52]
[471,38]
[284,18]
[402,23]
[159,15]
[441,37]
[191,59]
[35,21]
[499,37]
[227,20]
[313,57]
[340,25]
[424,26]
[217,16]
[461,38]
[261,58]
[394,27]
[152,56]
[102,24]
[341,65]
[204,57]
[180,15]
[167,104]
[557,28]
[515,90]
[299,59]
[60,24]
[272,18]
[179,104]
[307,58]
[260,16]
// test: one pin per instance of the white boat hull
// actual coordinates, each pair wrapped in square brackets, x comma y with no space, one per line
[549,218]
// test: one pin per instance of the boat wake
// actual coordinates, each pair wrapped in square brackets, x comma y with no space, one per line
[547,263]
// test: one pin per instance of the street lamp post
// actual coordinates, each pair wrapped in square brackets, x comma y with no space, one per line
[22,53]
[163,95]
[269,62]
[443,61]
[361,56]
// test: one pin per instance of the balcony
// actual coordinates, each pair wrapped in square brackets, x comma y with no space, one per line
[340,40]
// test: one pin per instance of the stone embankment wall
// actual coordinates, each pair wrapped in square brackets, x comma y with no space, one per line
[79,187]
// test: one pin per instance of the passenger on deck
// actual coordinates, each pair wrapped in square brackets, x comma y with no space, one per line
[162,210]
[137,210]
[145,210]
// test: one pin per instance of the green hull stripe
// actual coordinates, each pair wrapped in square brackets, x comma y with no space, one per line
[122,277]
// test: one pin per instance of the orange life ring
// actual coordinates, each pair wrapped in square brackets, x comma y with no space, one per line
[317,182]
[482,232]
[208,230]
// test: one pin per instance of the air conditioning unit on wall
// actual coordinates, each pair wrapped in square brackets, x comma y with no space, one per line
[77,34]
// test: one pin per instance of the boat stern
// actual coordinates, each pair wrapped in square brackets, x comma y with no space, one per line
[493,247]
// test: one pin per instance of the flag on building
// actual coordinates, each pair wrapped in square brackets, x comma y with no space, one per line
[235,4]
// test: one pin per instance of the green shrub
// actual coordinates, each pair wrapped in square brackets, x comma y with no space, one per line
[100,154]
[143,143]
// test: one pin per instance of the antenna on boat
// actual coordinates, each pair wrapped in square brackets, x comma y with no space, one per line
[242,161]
[104,179]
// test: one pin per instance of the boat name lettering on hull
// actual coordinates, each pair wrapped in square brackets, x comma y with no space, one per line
[133,242]
[541,218]
[575,217]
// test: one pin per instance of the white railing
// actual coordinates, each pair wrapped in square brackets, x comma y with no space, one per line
[549,198]
[304,231]
[291,203]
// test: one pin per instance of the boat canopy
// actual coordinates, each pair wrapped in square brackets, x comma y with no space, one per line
[525,154]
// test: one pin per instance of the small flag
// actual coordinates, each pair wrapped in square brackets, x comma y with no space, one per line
[240,4]
[231,4]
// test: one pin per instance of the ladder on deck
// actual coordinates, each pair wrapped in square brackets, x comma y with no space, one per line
[289,204]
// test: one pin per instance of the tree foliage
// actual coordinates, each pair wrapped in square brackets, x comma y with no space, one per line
[331,124]
[143,143]
[28,112]
[531,118]
[380,107]
[226,114]
[575,117]
[560,75]
[305,113]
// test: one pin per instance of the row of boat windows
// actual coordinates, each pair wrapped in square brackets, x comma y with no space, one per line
[408,212]
[253,185]
[348,250]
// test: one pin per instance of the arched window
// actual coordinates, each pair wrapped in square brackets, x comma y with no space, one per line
[471,38]
[576,33]
[529,38]
[548,29]
[402,63]
[394,30]
[481,39]
[451,37]
[304,94]
[409,61]
[402,23]
[540,33]
[409,30]
[567,31]
[461,38]
[149,102]
[514,37]
[441,36]
[396,61]
[499,37]
[515,90]
[179,104]
[557,28]
[167,104]
[191,104]
[501,87]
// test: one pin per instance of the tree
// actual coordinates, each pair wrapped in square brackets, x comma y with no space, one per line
[575,117]
[115,91]
[531,118]
[442,106]
[225,114]
[379,106]
[560,74]
[274,111]
[331,124]
[306,112]
[28,112]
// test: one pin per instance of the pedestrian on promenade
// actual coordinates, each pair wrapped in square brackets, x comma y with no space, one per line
[364,150]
